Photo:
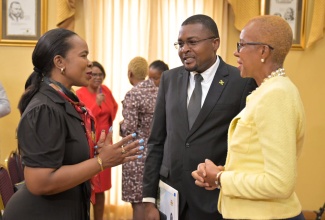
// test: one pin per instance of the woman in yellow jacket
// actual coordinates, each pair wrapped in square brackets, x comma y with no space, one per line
[266,137]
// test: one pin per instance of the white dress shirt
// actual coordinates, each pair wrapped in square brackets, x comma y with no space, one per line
[208,76]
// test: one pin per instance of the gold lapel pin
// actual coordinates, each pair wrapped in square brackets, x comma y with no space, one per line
[221,82]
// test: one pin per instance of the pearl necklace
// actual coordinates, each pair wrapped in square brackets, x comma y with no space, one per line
[278,72]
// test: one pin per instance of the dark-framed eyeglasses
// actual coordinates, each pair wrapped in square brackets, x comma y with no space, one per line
[97,74]
[240,45]
[191,43]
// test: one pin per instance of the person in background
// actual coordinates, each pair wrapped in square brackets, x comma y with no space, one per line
[56,132]
[4,102]
[138,108]
[266,137]
[156,68]
[182,136]
[100,101]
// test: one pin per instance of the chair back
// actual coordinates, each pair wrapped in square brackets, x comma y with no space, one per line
[15,168]
[6,187]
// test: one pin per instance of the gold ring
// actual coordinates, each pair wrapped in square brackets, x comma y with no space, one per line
[123,151]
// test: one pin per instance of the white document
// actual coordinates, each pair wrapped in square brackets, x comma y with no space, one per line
[168,201]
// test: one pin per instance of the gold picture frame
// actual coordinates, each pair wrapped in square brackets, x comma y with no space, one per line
[294,12]
[22,22]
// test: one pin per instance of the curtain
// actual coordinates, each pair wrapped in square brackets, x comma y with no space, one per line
[65,14]
[118,30]
[244,11]
[318,22]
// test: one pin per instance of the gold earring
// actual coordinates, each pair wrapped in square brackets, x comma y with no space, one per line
[62,71]
[262,60]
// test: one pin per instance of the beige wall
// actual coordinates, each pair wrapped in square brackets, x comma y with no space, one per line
[303,67]
[15,67]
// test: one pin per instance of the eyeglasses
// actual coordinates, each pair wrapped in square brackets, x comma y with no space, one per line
[191,43]
[97,74]
[240,45]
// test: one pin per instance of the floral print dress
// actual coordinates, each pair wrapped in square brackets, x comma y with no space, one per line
[138,108]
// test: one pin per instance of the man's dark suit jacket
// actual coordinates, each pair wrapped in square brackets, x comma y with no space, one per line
[174,151]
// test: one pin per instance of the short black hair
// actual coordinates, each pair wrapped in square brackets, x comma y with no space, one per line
[206,21]
[160,65]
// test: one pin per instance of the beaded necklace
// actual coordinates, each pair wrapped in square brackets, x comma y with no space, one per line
[278,72]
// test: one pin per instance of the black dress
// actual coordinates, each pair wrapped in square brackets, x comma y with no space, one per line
[51,135]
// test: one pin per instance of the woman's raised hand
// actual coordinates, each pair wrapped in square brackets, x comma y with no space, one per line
[123,151]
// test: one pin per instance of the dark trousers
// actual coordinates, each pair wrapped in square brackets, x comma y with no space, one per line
[185,215]
[298,217]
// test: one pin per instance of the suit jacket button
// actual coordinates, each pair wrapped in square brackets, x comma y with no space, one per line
[187,145]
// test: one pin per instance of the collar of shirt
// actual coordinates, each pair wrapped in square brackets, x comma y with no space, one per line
[208,76]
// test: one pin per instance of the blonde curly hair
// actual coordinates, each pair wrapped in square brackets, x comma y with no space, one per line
[139,67]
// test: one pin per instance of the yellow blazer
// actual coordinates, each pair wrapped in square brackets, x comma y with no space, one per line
[264,142]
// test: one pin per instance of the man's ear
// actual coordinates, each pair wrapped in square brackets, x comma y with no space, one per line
[216,43]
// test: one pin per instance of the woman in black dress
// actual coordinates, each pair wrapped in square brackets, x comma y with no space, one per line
[56,132]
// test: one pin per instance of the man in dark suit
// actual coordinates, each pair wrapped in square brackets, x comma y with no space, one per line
[175,147]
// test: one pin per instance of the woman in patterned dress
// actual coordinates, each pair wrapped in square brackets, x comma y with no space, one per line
[138,108]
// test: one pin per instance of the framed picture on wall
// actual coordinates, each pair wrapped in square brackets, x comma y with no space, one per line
[22,21]
[293,11]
